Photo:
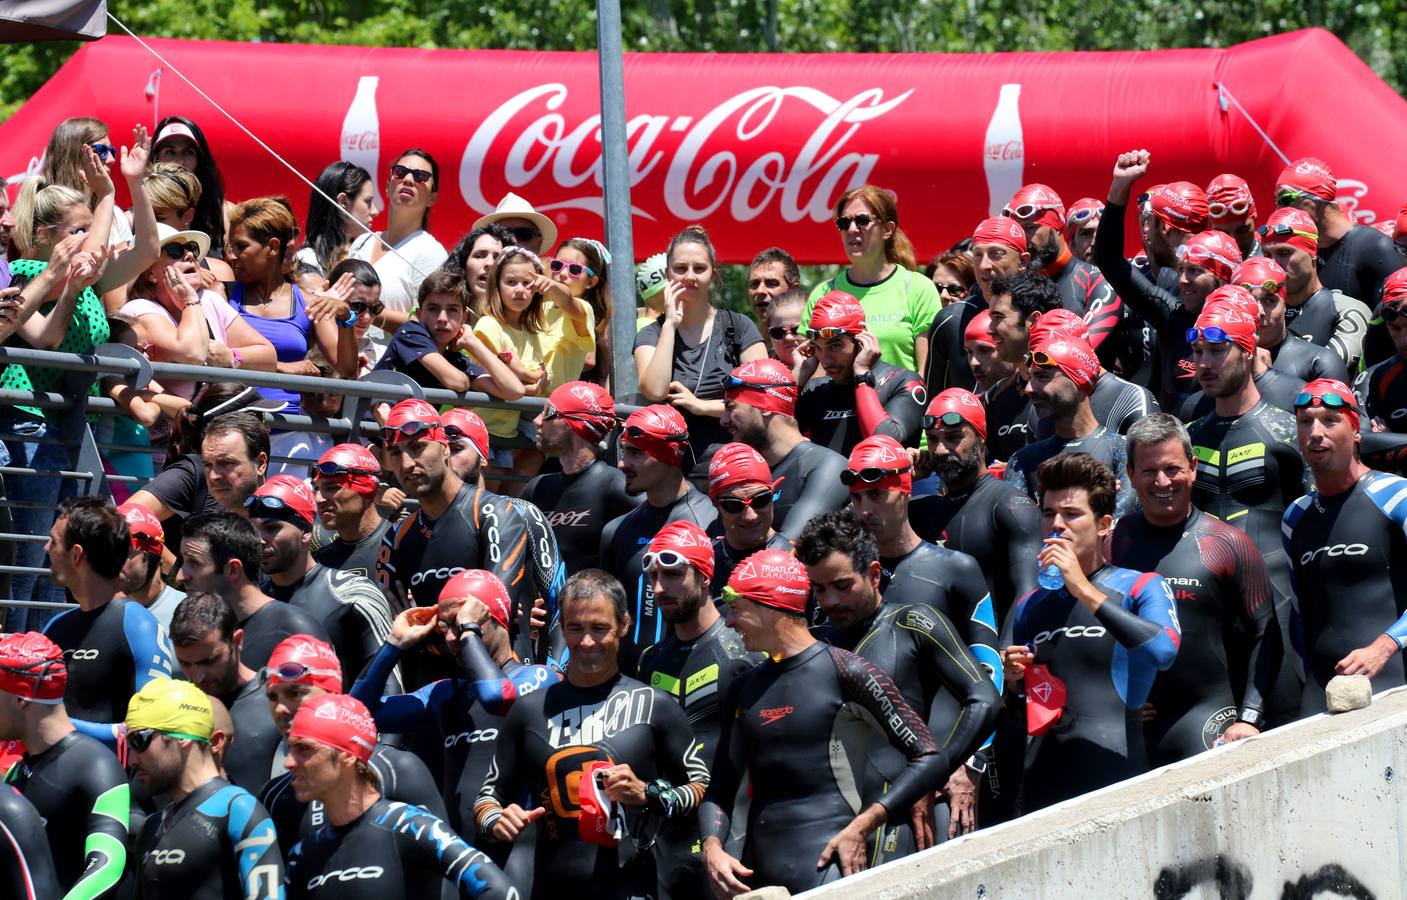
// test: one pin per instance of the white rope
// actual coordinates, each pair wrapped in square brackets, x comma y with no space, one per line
[240,125]
[1221,89]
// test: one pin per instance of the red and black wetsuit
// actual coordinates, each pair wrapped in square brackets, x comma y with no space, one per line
[828,414]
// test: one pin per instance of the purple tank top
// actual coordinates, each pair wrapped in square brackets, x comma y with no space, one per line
[290,337]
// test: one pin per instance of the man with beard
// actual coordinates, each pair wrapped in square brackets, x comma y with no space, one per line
[352,610]
[744,493]
[759,409]
[1116,403]
[1232,209]
[588,492]
[345,480]
[213,840]
[141,579]
[861,395]
[695,664]
[652,453]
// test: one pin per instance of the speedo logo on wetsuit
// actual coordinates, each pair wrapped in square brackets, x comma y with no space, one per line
[599,721]
[443,574]
[356,873]
[1071,631]
[472,737]
[1333,550]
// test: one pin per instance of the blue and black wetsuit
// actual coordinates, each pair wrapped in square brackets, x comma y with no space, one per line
[111,652]
[217,843]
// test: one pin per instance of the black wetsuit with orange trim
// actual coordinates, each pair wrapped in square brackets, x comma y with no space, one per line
[1383,392]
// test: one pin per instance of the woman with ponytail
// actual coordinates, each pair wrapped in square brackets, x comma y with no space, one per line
[899,302]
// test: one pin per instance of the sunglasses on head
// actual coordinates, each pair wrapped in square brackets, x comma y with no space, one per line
[759,502]
[862,221]
[950,419]
[1328,401]
[1266,231]
[870,475]
[1234,208]
[1389,312]
[575,270]
[734,383]
[952,290]
[421,176]
[1025,211]
[1087,213]
[178,251]
[829,333]
[293,671]
[781,332]
[525,233]
[1212,334]
[664,559]
[1041,359]
[331,469]
[375,309]
[105,152]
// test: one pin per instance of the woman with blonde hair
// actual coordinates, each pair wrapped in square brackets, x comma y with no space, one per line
[175,194]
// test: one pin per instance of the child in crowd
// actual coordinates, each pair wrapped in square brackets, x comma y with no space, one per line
[580,264]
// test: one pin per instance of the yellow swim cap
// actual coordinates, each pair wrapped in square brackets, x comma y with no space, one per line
[175,708]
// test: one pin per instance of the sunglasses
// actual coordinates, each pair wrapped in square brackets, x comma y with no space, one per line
[869,475]
[525,233]
[1234,208]
[1025,211]
[408,430]
[178,251]
[1041,359]
[862,221]
[106,152]
[1270,286]
[375,309]
[782,332]
[665,559]
[734,383]
[829,333]
[950,419]
[1087,213]
[292,671]
[331,469]
[575,270]
[1285,197]
[735,505]
[138,741]
[952,290]
[1266,231]
[1391,313]
[272,504]
[1212,334]
[1329,401]
[421,176]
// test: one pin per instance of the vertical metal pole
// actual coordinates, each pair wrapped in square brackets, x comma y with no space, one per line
[615,171]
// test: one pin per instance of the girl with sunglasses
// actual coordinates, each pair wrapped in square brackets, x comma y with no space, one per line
[63,164]
[175,193]
[881,275]
[580,264]
[405,252]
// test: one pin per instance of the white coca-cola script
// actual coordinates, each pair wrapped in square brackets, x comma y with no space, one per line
[725,156]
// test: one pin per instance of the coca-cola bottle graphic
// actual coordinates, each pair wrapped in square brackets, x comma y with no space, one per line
[361,134]
[1004,151]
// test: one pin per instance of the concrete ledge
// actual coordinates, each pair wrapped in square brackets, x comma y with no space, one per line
[1312,809]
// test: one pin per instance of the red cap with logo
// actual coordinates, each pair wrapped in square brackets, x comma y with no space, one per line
[1237,296]
[587,408]
[413,420]
[1304,234]
[1321,387]
[838,309]
[1041,205]
[1227,194]
[766,384]
[1080,212]
[362,471]
[1045,699]
[1257,272]
[1309,175]
[1215,251]
[32,666]
[659,432]
[883,454]
[1180,205]
[295,494]
[148,534]
[483,586]
[1000,230]
[772,578]
[965,404]
[734,464]
[1074,358]
[979,330]
[1395,287]
[1231,312]
[304,659]
[466,423]
[338,721]
[1057,323]
[689,541]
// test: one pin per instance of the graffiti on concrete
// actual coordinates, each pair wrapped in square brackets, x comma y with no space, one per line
[1232,880]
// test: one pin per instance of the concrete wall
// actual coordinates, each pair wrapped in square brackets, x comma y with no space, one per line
[1313,809]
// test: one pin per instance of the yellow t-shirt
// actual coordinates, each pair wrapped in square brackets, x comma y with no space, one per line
[558,348]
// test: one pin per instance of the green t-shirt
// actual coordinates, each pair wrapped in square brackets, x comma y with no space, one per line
[898,310]
[87,329]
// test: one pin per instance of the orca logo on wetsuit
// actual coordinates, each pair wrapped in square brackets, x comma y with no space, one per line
[1011,429]
[167,857]
[441,573]
[1398,413]
[1333,550]
[356,873]
[472,737]
[491,528]
[85,654]
[1074,631]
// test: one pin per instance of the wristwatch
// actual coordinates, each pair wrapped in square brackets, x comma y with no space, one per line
[349,321]
[867,378]
[1251,717]
[473,628]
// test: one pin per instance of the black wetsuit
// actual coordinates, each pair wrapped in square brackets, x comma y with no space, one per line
[920,650]
[579,506]
[1160,307]
[549,737]
[26,868]
[1349,556]
[269,625]
[623,546]
[351,608]
[826,411]
[1277,388]
[1104,445]
[726,557]
[82,795]
[1084,292]
[1009,416]
[357,557]
[402,777]
[392,851]
[217,843]
[1107,661]
[1331,319]
[1116,405]
[1383,392]
[800,729]
[1307,361]
[994,523]
[947,366]
[810,486]
[697,674]
[253,756]
[111,652]
[1231,649]
[1358,263]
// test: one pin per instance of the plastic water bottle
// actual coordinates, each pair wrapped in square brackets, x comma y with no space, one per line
[361,134]
[1004,150]
[1048,576]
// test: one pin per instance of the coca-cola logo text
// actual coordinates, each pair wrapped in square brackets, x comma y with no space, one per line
[546,156]
[361,141]
[1006,150]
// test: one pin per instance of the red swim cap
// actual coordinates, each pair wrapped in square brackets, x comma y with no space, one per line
[1075,359]
[146,530]
[885,454]
[295,496]
[965,404]
[1304,234]
[689,541]
[303,659]
[483,586]
[764,383]
[1321,387]
[363,471]
[466,423]
[587,408]
[1399,228]
[1057,323]
[1038,203]
[1214,251]
[659,432]
[338,721]
[979,329]
[1180,205]
[1257,272]
[1238,297]
[838,309]
[1309,176]
[413,419]
[1000,230]
[772,578]
[1395,287]
[1080,212]
[32,666]
[1232,314]
[734,464]
[1225,195]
